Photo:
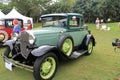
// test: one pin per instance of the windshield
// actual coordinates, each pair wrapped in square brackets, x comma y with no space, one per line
[54,21]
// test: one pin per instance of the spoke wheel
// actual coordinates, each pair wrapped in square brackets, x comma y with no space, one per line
[90,47]
[48,67]
[67,47]
[45,67]
[3,36]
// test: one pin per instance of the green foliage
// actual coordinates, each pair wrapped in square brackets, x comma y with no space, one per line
[89,8]
[4,8]
[98,8]
[31,8]
[63,6]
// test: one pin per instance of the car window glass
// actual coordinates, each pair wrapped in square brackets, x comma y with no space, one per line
[74,21]
[54,21]
[9,24]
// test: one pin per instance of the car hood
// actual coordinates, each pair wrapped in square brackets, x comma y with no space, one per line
[46,30]
[49,36]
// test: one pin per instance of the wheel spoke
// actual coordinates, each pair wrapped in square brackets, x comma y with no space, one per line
[67,47]
[48,68]
[90,47]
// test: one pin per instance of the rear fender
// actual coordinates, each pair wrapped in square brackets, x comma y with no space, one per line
[9,43]
[42,50]
[89,36]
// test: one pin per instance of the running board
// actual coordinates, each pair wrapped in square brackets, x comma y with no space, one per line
[77,54]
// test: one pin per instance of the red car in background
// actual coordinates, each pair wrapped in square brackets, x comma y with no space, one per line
[6,27]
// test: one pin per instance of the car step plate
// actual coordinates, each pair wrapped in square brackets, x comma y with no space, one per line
[76,54]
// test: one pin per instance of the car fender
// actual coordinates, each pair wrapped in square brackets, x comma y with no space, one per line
[88,37]
[61,40]
[42,50]
[9,43]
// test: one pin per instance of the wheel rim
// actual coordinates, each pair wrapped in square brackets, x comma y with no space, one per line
[48,68]
[90,47]
[2,37]
[67,47]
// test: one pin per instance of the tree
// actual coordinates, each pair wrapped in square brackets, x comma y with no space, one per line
[104,9]
[31,8]
[63,6]
[89,8]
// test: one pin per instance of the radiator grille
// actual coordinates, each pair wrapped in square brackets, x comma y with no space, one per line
[24,44]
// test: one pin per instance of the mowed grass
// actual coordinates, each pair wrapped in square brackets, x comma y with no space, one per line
[103,64]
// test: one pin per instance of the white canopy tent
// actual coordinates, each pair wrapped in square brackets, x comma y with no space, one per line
[15,14]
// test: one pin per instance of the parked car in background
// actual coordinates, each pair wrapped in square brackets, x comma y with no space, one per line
[6,27]
[62,36]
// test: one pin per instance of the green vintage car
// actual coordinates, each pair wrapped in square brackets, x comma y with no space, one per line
[62,36]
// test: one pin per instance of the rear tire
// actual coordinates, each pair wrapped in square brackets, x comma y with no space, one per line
[45,67]
[89,47]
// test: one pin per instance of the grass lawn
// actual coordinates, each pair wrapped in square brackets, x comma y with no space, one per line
[103,64]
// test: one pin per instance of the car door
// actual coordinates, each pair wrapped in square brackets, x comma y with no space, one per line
[75,30]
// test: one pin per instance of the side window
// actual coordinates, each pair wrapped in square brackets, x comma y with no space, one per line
[9,24]
[74,21]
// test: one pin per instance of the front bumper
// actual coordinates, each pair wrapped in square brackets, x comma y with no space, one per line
[17,64]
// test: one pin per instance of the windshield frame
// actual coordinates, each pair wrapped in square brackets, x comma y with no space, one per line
[54,21]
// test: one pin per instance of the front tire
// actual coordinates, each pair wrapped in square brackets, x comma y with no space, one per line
[7,52]
[65,45]
[45,67]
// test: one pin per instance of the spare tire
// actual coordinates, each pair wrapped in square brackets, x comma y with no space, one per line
[3,36]
[65,45]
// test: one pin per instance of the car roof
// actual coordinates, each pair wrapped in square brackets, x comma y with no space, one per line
[63,14]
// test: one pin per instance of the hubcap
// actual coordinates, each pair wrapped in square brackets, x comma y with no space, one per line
[67,47]
[90,47]
[2,37]
[48,68]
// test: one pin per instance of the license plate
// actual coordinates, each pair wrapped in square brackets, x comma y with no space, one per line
[8,65]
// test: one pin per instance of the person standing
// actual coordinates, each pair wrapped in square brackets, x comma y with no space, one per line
[97,22]
[17,27]
[29,25]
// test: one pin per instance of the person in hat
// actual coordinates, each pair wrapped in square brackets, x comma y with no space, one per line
[17,27]
[97,22]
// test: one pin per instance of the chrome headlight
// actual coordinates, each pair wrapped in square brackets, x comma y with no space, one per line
[31,38]
[14,36]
